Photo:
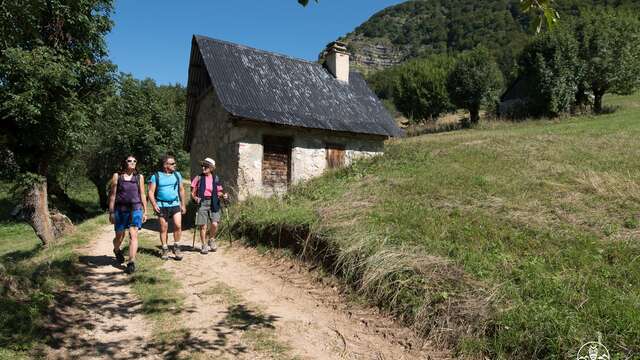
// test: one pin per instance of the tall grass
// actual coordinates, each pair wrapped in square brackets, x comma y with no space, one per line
[508,241]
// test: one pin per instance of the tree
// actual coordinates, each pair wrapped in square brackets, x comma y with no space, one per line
[384,82]
[609,47]
[474,81]
[52,73]
[421,91]
[138,118]
[552,70]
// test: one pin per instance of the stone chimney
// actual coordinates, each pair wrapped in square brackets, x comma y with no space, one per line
[337,60]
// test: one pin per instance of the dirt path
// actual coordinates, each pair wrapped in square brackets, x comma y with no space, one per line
[238,305]
[101,319]
[259,307]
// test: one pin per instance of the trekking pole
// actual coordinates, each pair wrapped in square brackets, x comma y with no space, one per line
[194,230]
[225,217]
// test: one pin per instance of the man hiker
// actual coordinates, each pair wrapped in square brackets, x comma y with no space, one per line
[166,194]
[127,209]
[206,191]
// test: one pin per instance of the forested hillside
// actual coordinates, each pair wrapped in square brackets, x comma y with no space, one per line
[422,27]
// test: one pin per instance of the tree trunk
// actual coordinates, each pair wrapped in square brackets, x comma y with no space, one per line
[475,115]
[64,199]
[36,210]
[597,101]
[101,186]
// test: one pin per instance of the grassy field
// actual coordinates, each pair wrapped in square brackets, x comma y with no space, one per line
[507,241]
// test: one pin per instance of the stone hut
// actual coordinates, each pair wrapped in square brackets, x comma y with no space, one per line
[515,102]
[270,120]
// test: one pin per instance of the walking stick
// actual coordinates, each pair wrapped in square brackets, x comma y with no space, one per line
[195,230]
[225,217]
[193,243]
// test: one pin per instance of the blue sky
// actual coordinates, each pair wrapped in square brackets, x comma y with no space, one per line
[153,38]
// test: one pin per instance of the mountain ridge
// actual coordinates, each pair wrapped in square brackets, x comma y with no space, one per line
[419,28]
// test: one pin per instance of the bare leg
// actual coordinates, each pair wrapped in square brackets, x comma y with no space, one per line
[213,230]
[117,241]
[177,227]
[164,229]
[203,234]
[133,244]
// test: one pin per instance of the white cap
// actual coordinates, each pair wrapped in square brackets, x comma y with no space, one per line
[209,162]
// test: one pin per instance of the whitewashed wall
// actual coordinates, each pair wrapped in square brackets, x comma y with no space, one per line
[308,154]
[237,148]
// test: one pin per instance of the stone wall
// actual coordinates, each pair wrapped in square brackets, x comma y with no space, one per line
[308,153]
[236,146]
[211,138]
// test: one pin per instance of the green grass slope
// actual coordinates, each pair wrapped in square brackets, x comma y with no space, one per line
[510,241]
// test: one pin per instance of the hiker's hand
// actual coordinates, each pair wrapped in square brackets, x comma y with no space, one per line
[144,218]
[225,196]
[156,208]
[196,199]
[184,209]
[111,218]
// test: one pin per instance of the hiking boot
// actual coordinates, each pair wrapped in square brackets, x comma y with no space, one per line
[131,268]
[164,254]
[212,244]
[204,250]
[176,252]
[119,256]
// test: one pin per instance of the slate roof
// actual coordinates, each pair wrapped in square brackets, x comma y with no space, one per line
[519,89]
[279,89]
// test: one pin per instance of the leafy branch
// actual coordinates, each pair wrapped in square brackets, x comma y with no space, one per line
[546,13]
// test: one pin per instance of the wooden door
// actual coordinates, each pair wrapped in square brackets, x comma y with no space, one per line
[276,164]
[335,156]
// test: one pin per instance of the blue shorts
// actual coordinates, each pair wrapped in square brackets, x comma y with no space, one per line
[125,218]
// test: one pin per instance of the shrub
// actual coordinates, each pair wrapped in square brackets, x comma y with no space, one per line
[421,91]
[552,68]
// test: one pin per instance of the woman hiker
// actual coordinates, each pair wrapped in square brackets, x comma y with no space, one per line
[127,209]
[206,191]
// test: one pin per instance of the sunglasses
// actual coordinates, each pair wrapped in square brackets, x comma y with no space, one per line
[170,163]
[131,161]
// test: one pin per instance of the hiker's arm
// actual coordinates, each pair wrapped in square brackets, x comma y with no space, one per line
[194,196]
[143,199]
[194,191]
[112,196]
[220,192]
[152,197]
[183,207]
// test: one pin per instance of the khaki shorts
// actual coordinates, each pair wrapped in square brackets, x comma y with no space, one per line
[205,215]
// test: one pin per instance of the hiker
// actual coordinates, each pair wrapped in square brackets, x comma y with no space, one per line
[206,191]
[166,194]
[127,209]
